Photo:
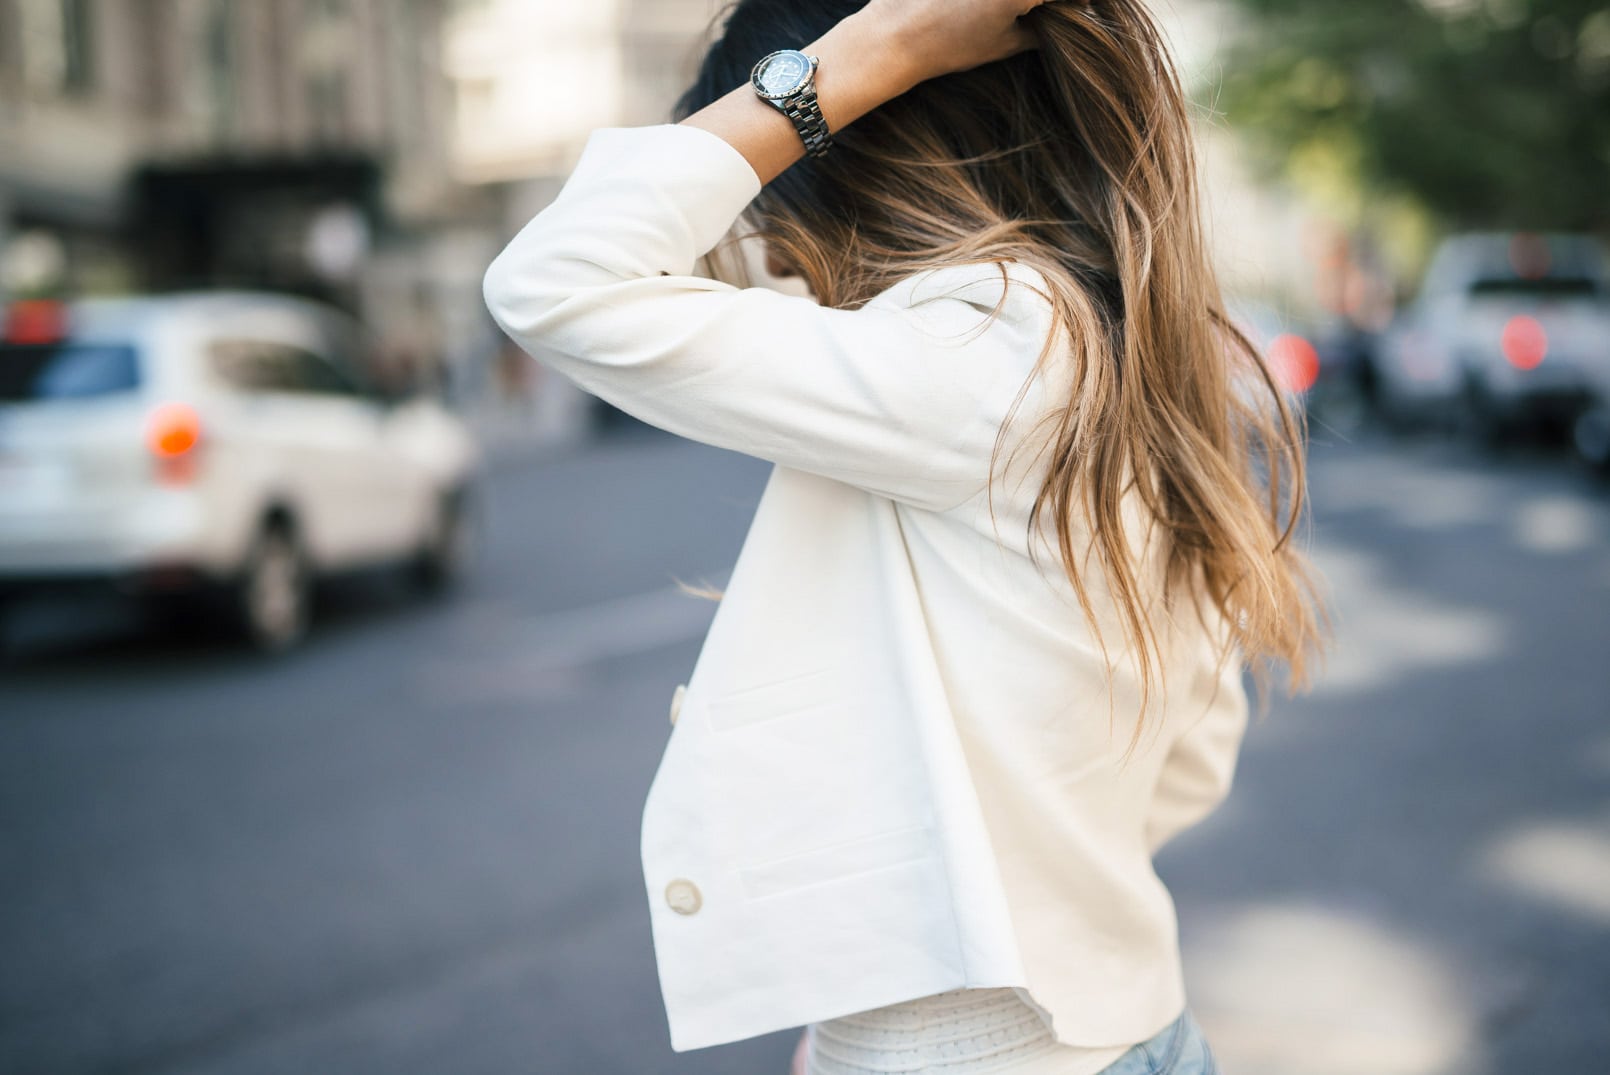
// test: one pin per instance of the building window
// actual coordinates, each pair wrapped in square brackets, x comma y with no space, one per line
[326,48]
[153,31]
[78,46]
[327,105]
[58,39]
[219,45]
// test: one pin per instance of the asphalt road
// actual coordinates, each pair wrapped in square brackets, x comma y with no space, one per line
[412,847]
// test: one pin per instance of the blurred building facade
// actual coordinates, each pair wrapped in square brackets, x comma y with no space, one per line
[378,153]
[531,80]
[298,145]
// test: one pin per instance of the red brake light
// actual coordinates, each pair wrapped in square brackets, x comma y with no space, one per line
[1295,362]
[172,434]
[35,321]
[1524,342]
[175,428]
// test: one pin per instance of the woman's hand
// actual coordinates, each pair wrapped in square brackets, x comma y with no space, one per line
[940,37]
[868,58]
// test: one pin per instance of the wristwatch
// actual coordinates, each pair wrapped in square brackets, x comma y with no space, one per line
[786,79]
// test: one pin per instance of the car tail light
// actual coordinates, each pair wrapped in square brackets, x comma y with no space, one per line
[1524,342]
[173,435]
[1295,361]
[35,321]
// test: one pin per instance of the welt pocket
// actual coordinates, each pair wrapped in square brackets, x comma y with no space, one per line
[767,701]
[837,862]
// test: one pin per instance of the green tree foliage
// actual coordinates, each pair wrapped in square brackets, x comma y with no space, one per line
[1486,112]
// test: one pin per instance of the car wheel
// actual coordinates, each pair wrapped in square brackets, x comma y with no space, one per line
[272,599]
[1590,436]
[444,557]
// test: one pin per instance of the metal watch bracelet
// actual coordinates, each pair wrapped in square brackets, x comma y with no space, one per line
[806,115]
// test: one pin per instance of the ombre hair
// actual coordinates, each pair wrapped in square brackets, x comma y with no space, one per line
[1076,159]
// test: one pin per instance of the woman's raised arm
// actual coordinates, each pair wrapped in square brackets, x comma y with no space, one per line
[902,397]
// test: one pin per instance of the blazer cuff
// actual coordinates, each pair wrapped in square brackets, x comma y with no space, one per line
[699,174]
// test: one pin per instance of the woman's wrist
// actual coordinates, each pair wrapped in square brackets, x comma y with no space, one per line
[862,66]
[867,58]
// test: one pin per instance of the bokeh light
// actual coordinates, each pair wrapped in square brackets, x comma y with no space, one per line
[1295,362]
[1524,342]
[34,321]
[174,430]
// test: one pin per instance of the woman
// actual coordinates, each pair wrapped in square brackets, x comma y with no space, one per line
[1032,511]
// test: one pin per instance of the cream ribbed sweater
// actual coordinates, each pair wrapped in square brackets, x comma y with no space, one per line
[959,1032]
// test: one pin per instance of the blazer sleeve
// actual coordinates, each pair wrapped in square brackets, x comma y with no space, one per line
[1200,768]
[902,398]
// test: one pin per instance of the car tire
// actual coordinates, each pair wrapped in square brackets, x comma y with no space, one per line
[271,599]
[1590,438]
[444,555]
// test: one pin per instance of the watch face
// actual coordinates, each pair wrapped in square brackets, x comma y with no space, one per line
[782,73]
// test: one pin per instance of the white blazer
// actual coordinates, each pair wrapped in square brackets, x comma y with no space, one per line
[893,773]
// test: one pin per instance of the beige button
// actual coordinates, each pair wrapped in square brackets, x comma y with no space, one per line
[683,896]
[676,700]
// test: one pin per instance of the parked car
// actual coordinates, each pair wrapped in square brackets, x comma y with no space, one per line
[225,445]
[1509,329]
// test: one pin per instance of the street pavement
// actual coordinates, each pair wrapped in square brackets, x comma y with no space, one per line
[412,847]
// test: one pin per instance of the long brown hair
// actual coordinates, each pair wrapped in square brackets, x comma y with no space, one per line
[1076,159]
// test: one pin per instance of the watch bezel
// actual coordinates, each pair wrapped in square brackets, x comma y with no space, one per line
[804,81]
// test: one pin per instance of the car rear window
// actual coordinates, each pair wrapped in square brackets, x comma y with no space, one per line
[33,372]
[1541,287]
[271,366]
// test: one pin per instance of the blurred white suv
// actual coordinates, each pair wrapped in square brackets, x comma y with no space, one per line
[222,444]
[1509,329]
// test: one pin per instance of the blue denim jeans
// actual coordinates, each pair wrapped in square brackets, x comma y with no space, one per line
[1177,1049]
